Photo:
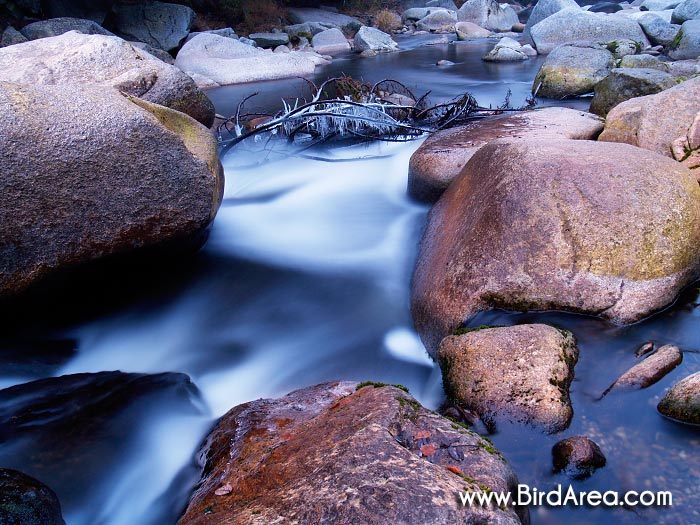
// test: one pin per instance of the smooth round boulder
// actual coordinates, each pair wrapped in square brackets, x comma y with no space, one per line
[572,71]
[469,30]
[544,9]
[74,58]
[372,39]
[577,456]
[626,83]
[682,402]
[27,501]
[576,225]
[443,155]
[89,173]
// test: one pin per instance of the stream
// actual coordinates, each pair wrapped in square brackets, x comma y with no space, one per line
[306,278]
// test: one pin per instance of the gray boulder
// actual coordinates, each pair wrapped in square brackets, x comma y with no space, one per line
[644,61]
[330,41]
[442,20]
[544,9]
[659,31]
[488,14]
[686,10]
[682,401]
[506,50]
[301,15]
[572,25]
[58,26]
[105,61]
[626,83]
[27,501]
[137,175]
[372,39]
[658,5]
[570,71]
[156,23]
[270,40]
[10,36]
[469,30]
[416,13]
[306,29]
[687,44]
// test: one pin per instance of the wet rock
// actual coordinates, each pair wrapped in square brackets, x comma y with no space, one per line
[372,39]
[571,71]
[27,501]
[644,62]
[686,10]
[578,456]
[573,24]
[270,40]
[488,14]
[228,61]
[555,225]
[626,83]
[158,24]
[518,374]
[334,454]
[544,9]
[330,41]
[650,371]
[468,30]
[59,26]
[443,155]
[653,122]
[687,43]
[442,20]
[104,61]
[155,178]
[682,401]
[86,423]
[659,31]
[329,19]
[10,36]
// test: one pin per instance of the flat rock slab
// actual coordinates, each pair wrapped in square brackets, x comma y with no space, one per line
[337,454]
[682,401]
[442,156]
[650,371]
[557,225]
[519,374]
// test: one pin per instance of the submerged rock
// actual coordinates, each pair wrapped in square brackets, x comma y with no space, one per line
[443,155]
[653,122]
[153,178]
[682,401]
[158,24]
[336,453]
[626,83]
[74,58]
[571,71]
[10,36]
[577,225]
[650,371]
[27,501]
[578,456]
[518,373]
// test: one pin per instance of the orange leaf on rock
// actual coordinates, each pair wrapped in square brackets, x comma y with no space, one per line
[422,434]
[428,450]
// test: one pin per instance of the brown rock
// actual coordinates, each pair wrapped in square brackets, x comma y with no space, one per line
[653,122]
[443,155]
[578,456]
[682,401]
[88,173]
[649,371]
[27,501]
[584,226]
[518,373]
[331,454]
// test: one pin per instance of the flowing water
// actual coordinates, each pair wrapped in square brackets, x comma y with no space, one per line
[305,278]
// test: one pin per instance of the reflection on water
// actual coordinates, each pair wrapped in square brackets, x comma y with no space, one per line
[305,278]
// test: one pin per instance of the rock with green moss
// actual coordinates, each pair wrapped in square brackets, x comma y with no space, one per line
[577,225]
[75,58]
[687,43]
[643,61]
[90,173]
[27,501]
[518,374]
[626,83]
[571,71]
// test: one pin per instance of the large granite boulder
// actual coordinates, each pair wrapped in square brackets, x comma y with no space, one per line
[659,31]
[442,156]
[74,58]
[584,226]
[345,454]
[519,374]
[27,501]
[372,39]
[687,43]
[626,83]
[571,71]
[58,26]
[682,401]
[330,41]
[544,9]
[573,24]
[686,10]
[469,30]
[302,15]
[89,173]
[654,122]
[158,24]
[488,14]
[228,61]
